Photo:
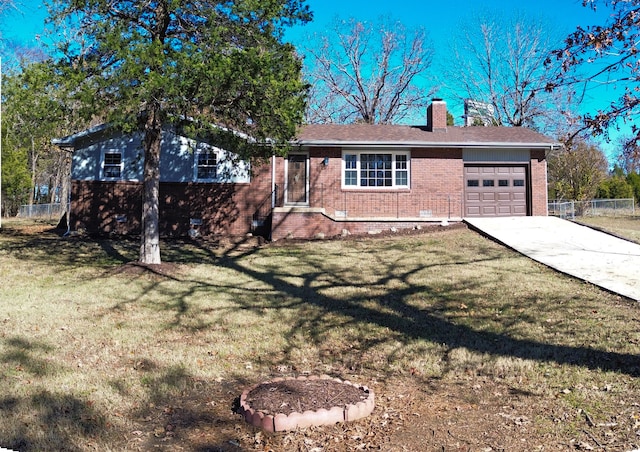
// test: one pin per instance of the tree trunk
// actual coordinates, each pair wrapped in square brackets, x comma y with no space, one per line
[150,240]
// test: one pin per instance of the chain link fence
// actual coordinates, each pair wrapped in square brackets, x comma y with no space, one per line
[41,211]
[593,208]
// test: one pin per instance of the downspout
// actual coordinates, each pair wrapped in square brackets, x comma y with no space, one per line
[66,234]
[273,181]
[68,162]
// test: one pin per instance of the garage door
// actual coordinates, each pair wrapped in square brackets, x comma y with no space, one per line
[494,191]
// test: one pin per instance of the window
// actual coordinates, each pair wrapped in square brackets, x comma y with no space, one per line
[206,165]
[488,183]
[112,165]
[473,183]
[376,170]
[518,183]
[402,171]
[503,182]
[350,170]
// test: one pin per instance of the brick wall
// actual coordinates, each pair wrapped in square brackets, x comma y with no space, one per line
[437,187]
[116,207]
[539,206]
[435,193]
[434,173]
[437,115]
[312,224]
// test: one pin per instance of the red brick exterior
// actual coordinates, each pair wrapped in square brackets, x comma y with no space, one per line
[538,169]
[435,194]
[437,116]
[311,224]
[116,207]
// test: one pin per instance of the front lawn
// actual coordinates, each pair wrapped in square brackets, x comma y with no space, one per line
[626,227]
[467,345]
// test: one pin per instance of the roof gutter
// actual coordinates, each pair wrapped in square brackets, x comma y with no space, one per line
[70,141]
[466,144]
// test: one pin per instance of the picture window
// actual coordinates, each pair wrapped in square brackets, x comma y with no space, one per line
[376,170]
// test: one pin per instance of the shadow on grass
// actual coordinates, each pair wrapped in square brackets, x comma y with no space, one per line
[175,408]
[25,357]
[67,252]
[63,417]
[171,415]
[179,410]
[391,311]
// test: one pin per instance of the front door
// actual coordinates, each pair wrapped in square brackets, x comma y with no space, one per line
[297,179]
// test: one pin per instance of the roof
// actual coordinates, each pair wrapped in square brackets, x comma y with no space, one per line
[70,140]
[393,135]
[403,135]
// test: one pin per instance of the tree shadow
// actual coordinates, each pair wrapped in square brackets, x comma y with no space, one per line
[178,403]
[179,409]
[64,417]
[175,408]
[25,357]
[391,310]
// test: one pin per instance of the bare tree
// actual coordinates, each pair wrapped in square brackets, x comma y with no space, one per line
[576,170]
[362,72]
[499,60]
[605,55]
[6,5]
[629,156]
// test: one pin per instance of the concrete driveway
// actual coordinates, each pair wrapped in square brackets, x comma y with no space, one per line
[587,254]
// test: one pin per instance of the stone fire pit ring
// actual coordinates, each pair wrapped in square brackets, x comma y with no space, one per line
[277,422]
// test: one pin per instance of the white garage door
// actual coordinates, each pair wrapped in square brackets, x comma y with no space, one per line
[494,191]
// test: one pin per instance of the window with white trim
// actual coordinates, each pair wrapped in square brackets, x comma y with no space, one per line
[206,162]
[382,169]
[112,165]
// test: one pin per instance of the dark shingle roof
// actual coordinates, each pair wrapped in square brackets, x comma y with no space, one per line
[400,135]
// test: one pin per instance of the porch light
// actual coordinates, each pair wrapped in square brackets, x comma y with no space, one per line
[325,161]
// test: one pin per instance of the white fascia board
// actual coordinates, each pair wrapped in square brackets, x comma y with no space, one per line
[474,145]
[69,141]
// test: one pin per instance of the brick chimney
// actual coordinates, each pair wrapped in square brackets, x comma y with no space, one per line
[437,116]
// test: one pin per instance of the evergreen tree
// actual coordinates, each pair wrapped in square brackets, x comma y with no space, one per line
[143,65]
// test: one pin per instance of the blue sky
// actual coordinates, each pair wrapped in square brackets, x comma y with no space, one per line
[441,19]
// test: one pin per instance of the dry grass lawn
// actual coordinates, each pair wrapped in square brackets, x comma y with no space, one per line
[627,227]
[468,345]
